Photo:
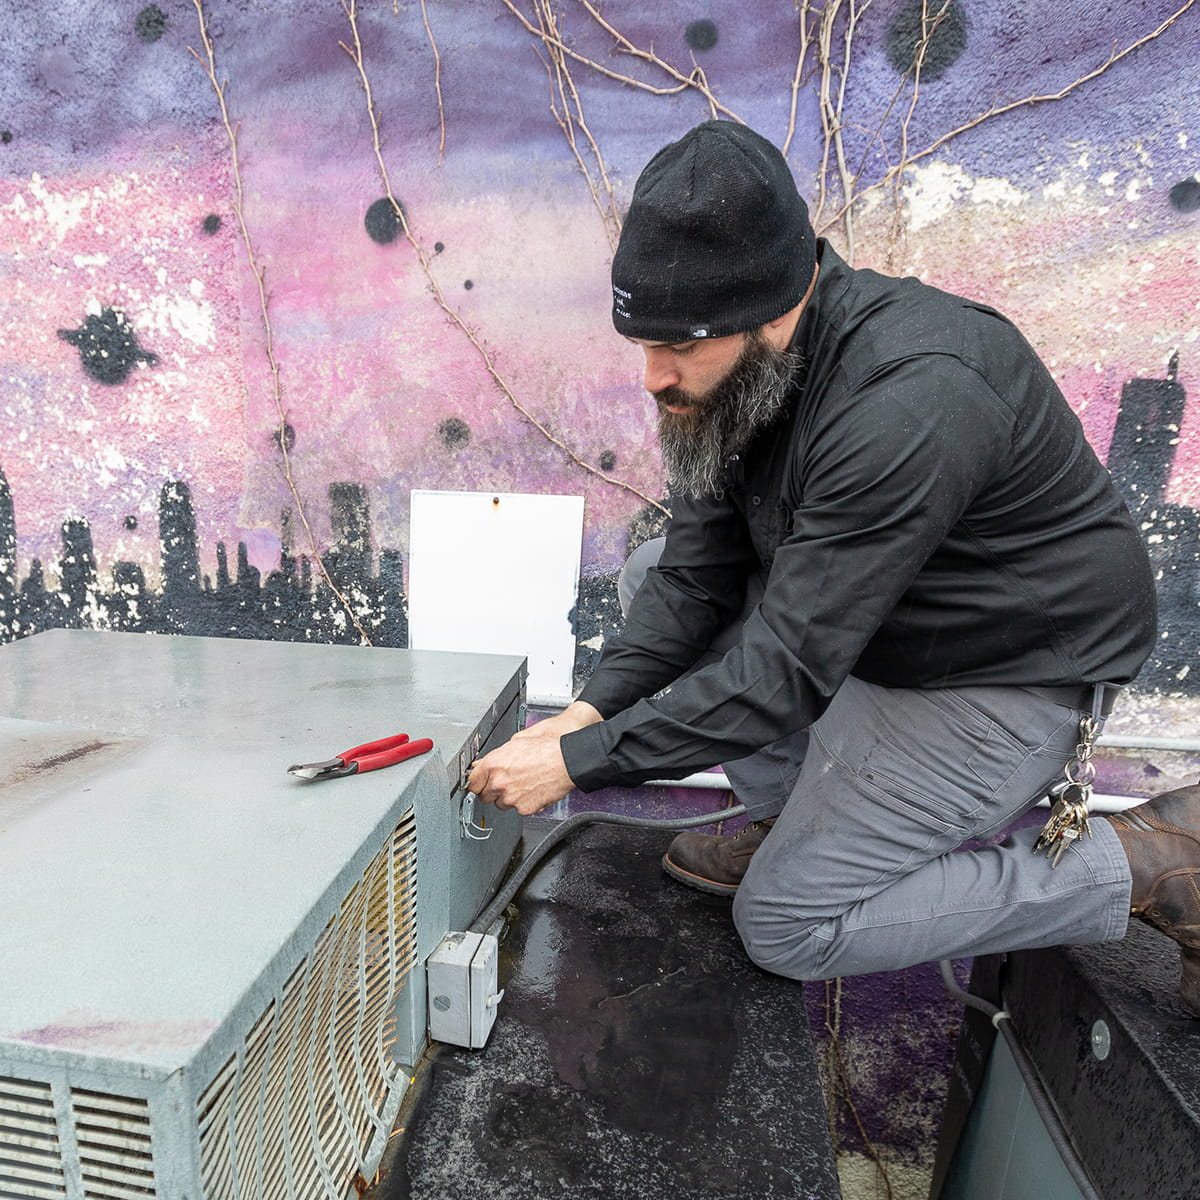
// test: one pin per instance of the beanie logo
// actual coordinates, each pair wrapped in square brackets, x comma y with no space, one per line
[699,333]
[620,305]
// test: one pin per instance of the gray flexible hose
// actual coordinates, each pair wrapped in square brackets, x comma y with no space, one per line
[503,898]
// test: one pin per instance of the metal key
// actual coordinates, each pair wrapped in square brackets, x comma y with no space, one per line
[1065,838]
[1068,820]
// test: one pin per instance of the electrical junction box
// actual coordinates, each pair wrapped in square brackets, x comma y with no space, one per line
[212,974]
[463,981]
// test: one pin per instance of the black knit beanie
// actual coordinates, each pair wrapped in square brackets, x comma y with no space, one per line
[717,239]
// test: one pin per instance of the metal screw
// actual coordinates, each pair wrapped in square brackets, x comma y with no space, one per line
[441,1003]
[1101,1040]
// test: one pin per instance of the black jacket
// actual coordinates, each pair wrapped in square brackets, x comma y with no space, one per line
[930,515]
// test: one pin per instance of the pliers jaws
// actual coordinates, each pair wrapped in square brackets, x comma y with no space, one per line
[369,757]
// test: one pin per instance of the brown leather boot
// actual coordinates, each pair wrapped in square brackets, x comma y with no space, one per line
[1161,839]
[714,863]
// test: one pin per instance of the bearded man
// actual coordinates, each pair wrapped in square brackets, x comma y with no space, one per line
[896,580]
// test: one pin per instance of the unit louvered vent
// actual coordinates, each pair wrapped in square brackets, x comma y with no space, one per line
[113,1137]
[30,1156]
[292,1114]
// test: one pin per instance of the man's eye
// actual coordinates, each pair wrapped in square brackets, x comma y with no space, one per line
[685,348]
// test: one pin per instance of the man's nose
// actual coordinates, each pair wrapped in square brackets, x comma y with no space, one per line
[661,371]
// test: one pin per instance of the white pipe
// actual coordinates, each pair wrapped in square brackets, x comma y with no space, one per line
[714,780]
[1110,740]
[1100,802]
[1117,742]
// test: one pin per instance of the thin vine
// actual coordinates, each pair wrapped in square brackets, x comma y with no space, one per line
[258,271]
[350,8]
[997,110]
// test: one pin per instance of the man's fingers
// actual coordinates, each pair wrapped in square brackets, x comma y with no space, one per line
[487,784]
[477,780]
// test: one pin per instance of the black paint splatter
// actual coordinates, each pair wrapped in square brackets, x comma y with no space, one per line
[595,618]
[701,35]
[288,441]
[383,225]
[946,43]
[454,432]
[211,224]
[468,284]
[107,346]
[131,522]
[1185,195]
[151,23]
[6,136]
[608,460]
[438,247]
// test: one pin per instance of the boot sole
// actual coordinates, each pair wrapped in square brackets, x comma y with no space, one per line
[697,881]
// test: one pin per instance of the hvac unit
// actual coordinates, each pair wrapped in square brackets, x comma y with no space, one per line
[212,974]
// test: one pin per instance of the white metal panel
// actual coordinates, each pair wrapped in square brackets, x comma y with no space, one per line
[498,573]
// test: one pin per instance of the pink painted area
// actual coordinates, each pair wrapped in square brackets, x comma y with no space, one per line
[92,1033]
[370,366]
[1095,396]
[1103,287]
[131,241]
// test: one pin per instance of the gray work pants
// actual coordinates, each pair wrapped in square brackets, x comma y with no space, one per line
[863,870]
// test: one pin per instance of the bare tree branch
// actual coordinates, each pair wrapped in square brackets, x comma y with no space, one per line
[356,55]
[231,131]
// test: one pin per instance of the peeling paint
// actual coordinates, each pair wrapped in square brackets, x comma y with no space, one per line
[933,191]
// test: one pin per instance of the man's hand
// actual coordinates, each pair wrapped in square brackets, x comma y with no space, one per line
[527,773]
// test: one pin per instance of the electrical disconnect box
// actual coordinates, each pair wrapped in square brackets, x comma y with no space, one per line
[463,985]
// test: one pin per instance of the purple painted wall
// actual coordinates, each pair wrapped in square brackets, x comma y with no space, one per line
[146,449]
[119,232]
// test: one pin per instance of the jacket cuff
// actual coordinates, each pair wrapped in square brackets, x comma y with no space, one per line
[585,755]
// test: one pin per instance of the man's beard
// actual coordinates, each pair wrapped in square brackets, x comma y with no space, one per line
[696,445]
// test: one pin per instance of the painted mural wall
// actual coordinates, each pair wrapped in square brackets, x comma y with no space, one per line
[247,306]
[271,264]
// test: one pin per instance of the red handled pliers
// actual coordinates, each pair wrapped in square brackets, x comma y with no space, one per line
[368,757]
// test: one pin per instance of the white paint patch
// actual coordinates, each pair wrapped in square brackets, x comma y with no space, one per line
[62,213]
[90,260]
[1135,188]
[110,463]
[1182,138]
[932,192]
[189,319]
[1107,181]
[990,189]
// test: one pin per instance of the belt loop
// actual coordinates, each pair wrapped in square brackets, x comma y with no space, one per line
[1104,696]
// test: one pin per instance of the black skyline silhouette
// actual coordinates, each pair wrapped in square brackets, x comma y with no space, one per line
[294,603]
[1141,458]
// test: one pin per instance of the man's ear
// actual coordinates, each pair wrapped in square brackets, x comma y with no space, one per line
[779,331]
